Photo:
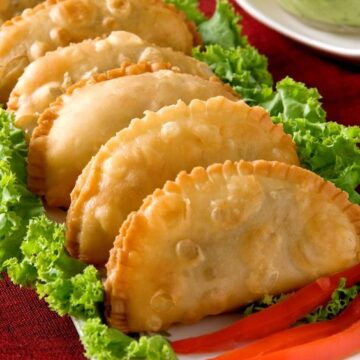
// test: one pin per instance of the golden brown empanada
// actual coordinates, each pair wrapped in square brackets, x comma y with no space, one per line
[49,76]
[57,23]
[11,8]
[80,122]
[155,149]
[219,238]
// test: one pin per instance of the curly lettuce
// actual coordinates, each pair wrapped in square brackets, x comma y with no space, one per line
[241,67]
[17,204]
[104,343]
[293,100]
[329,149]
[67,285]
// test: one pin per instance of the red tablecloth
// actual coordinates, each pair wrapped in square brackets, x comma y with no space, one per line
[28,330]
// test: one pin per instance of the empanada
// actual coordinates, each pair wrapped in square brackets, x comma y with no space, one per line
[80,122]
[49,76]
[155,149]
[11,8]
[219,238]
[57,23]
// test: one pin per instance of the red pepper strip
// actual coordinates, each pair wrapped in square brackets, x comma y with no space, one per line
[297,335]
[335,347]
[272,319]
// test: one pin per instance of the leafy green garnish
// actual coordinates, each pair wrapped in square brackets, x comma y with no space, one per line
[190,8]
[223,28]
[330,150]
[151,348]
[68,286]
[105,343]
[241,67]
[17,204]
[293,100]
[326,148]
[340,299]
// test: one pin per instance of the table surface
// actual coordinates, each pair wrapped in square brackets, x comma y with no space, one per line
[29,330]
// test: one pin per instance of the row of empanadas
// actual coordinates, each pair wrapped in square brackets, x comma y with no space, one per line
[55,23]
[219,238]
[155,149]
[206,243]
[51,75]
[91,112]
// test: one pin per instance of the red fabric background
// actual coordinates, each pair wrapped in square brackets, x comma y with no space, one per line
[28,330]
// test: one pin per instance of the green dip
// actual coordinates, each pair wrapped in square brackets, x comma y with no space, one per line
[343,13]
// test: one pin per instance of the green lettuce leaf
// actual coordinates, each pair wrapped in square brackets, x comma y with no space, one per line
[328,149]
[17,204]
[151,348]
[293,100]
[190,8]
[68,286]
[104,343]
[223,28]
[241,67]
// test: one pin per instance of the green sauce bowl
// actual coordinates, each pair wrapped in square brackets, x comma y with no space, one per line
[334,15]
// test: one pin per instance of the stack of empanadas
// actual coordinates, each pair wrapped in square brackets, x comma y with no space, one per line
[113,116]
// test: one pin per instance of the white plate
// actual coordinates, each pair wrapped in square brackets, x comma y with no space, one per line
[205,326]
[270,13]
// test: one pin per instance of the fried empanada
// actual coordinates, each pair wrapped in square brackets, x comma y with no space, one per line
[80,122]
[223,237]
[155,149]
[49,76]
[57,23]
[11,8]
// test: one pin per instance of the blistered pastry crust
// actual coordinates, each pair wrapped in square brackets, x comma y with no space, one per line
[66,131]
[49,76]
[38,143]
[235,116]
[126,257]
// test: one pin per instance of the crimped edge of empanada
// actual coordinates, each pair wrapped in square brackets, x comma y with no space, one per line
[123,252]
[87,186]
[38,143]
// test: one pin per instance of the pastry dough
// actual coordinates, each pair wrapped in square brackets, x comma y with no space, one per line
[11,8]
[57,23]
[79,123]
[219,238]
[49,76]
[155,149]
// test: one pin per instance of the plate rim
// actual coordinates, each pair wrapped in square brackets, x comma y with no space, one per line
[259,15]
